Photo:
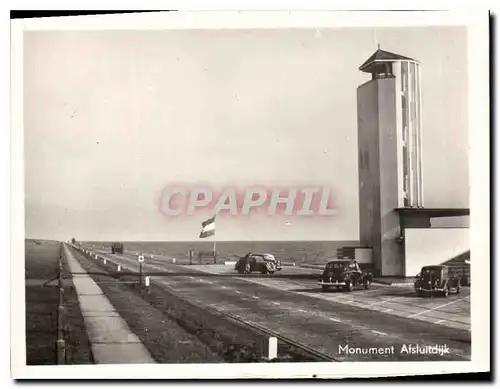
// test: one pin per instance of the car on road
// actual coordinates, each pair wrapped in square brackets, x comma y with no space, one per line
[262,263]
[437,278]
[116,248]
[345,274]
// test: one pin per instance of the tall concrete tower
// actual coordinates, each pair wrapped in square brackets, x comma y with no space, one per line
[390,154]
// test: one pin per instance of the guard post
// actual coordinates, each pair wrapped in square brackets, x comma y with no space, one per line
[271,348]
[140,258]
[60,343]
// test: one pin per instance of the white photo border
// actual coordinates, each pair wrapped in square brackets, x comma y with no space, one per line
[477,23]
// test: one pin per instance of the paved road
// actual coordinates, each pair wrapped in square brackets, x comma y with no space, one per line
[328,325]
[453,311]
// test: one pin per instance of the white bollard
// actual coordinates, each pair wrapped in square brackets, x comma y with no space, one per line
[152,256]
[119,268]
[104,260]
[146,281]
[173,260]
[271,349]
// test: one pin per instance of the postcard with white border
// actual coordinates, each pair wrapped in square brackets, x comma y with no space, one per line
[250,195]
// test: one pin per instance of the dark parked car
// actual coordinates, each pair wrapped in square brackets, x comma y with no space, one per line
[345,274]
[117,248]
[437,278]
[263,263]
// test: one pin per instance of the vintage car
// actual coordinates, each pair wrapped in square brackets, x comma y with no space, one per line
[344,274]
[116,248]
[263,263]
[437,278]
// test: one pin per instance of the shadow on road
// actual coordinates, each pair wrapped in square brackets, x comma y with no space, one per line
[329,291]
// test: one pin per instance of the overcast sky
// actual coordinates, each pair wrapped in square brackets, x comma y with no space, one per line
[110,118]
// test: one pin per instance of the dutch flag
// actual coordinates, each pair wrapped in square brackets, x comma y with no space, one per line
[208,228]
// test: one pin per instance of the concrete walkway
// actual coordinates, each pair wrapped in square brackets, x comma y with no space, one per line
[111,339]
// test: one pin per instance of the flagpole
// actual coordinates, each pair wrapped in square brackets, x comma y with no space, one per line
[215,251]
[215,246]
[207,233]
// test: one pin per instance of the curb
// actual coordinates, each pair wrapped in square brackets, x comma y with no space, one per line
[317,267]
[381,282]
[396,283]
[392,283]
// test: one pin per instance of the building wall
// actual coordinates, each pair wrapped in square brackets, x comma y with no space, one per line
[368,169]
[451,222]
[392,252]
[383,114]
[433,246]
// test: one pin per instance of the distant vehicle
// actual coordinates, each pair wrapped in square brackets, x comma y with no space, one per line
[263,263]
[437,278]
[117,248]
[345,274]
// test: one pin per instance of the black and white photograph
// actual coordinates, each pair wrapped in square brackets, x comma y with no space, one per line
[250,195]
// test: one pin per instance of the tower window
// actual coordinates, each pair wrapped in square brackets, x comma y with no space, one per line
[405,136]
[404,76]
[382,70]
[413,113]
[404,116]
[404,103]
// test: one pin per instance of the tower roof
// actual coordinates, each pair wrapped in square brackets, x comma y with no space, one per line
[383,56]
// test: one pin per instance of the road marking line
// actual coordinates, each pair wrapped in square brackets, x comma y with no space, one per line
[238,292]
[255,297]
[384,301]
[439,321]
[333,319]
[275,303]
[374,290]
[440,306]
[378,332]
